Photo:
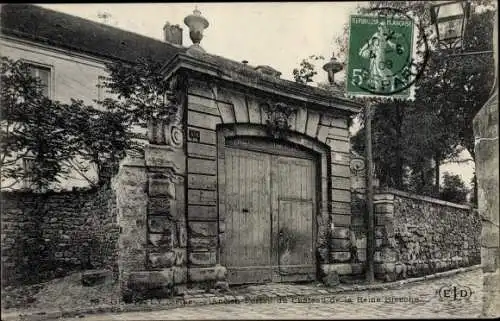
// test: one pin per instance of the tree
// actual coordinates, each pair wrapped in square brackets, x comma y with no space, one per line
[452,94]
[32,127]
[408,137]
[438,125]
[454,189]
[387,141]
[141,91]
[102,137]
[307,70]
[59,139]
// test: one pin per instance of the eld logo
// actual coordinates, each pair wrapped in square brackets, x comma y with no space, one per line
[455,292]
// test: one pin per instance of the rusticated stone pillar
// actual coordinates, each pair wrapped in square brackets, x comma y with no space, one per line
[486,150]
[385,255]
[486,157]
[129,186]
[151,205]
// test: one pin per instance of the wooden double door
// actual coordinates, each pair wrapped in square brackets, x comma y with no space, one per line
[270,205]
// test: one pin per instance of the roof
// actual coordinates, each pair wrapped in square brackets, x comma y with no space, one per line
[69,32]
[58,29]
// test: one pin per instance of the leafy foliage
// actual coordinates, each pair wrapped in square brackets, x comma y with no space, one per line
[32,127]
[57,138]
[454,189]
[411,139]
[307,70]
[437,126]
[473,198]
[141,90]
[64,138]
[102,138]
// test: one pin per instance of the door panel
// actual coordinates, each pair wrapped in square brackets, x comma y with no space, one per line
[293,182]
[248,217]
[295,233]
[270,206]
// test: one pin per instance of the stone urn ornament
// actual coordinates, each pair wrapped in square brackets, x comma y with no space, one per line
[196,23]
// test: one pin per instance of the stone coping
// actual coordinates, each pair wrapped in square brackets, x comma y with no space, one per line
[422,198]
[206,299]
[237,73]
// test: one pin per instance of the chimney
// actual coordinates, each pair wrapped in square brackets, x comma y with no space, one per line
[172,34]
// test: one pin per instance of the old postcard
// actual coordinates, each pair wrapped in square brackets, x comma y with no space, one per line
[301,160]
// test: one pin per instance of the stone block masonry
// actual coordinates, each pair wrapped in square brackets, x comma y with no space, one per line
[417,235]
[50,235]
[208,109]
[172,207]
[414,235]
[486,151]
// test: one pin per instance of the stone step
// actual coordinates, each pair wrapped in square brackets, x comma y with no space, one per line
[95,277]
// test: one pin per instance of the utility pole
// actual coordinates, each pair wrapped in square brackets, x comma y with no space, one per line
[370,235]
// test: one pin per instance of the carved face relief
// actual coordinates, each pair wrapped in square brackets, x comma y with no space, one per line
[278,115]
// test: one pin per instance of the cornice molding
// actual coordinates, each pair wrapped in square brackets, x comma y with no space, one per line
[185,62]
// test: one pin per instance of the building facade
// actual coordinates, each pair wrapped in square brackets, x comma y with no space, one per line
[69,54]
[249,184]
[252,182]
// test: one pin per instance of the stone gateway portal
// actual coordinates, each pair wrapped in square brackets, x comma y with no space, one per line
[270,205]
[251,181]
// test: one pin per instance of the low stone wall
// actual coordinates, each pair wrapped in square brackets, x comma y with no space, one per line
[417,235]
[49,235]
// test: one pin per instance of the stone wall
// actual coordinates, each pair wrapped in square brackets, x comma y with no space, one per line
[49,235]
[417,235]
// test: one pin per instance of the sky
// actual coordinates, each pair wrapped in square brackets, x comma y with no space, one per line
[276,34]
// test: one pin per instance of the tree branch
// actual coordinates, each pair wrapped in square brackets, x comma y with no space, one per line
[9,186]
[458,161]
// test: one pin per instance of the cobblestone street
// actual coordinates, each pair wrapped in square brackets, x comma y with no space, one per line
[417,300]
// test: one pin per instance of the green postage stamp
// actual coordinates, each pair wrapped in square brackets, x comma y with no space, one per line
[380,60]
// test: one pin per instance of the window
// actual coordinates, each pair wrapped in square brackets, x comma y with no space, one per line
[102,90]
[43,73]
